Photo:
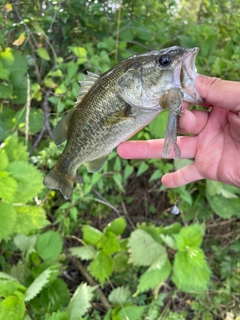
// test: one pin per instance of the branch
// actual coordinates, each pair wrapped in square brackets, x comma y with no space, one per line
[90,280]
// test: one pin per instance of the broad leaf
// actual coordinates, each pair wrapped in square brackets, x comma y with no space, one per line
[49,245]
[83,252]
[12,308]
[119,296]
[29,180]
[8,218]
[116,226]
[189,237]
[191,271]
[91,235]
[29,219]
[101,267]
[8,186]
[139,242]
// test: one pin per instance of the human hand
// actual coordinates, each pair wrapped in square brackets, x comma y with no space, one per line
[215,144]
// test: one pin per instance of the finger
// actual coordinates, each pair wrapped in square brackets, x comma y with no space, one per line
[221,93]
[182,176]
[234,120]
[192,122]
[153,148]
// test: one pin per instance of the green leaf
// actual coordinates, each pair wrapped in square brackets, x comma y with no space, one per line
[36,120]
[12,308]
[83,252]
[8,287]
[119,296]
[142,168]
[49,245]
[56,73]
[29,180]
[117,226]
[23,242]
[130,312]
[15,150]
[42,53]
[109,244]
[191,271]
[189,237]
[37,285]
[80,302]
[139,242]
[8,187]
[101,267]
[8,218]
[91,235]
[3,160]
[154,276]
[29,219]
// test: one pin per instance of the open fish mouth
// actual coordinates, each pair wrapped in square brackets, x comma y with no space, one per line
[185,76]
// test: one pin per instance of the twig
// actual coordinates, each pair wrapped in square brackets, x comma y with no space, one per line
[127,216]
[91,281]
[28,105]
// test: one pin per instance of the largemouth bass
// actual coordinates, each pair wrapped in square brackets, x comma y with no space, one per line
[114,106]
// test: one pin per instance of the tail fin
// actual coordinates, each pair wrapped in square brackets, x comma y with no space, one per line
[60,181]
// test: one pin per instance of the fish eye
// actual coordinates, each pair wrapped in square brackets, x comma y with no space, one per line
[165,60]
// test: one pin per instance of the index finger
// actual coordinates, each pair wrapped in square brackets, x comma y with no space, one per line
[221,93]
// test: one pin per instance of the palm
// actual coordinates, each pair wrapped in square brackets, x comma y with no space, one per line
[217,152]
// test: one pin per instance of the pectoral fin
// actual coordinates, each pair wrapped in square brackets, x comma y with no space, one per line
[60,132]
[119,116]
[97,164]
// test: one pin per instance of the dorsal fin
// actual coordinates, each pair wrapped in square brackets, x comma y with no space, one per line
[89,79]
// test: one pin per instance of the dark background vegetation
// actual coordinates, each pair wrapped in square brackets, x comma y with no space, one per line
[97,256]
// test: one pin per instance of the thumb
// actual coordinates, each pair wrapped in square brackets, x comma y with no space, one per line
[220,93]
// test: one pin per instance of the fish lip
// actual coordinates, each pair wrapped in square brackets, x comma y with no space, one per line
[185,76]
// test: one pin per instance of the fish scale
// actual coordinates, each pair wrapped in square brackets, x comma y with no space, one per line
[114,106]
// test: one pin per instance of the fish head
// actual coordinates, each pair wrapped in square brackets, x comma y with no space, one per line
[148,76]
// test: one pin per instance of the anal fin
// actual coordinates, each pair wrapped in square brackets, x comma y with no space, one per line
[97,164]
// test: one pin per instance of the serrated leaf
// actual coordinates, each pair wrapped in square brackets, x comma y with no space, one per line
[101,267]
[37,285]
[91,235]
[8,186]
[223,207]
[29,180]
[109,244]
[12,308]
[3,159]
[83,252]
[49,245]
[20,272]
[6,276]
[130,312]
[80,302]
[15,150]
[42,53]
[29,219]
[139,242]
[191,271]
[154,276]
[119,296]
[8,218]
[117,226]
[189,237]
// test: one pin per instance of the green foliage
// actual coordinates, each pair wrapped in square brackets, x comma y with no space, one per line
[45,48]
